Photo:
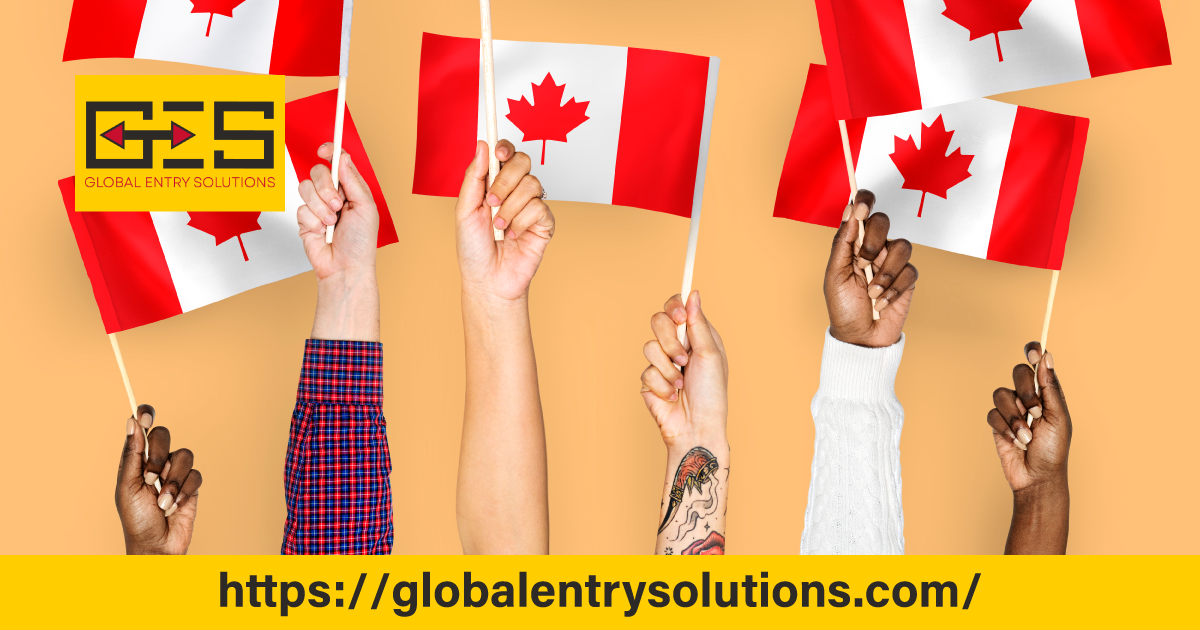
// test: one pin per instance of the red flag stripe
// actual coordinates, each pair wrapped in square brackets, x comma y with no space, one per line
[447,113]
[1123,35]
[308,38]
[103,28]
[870,56]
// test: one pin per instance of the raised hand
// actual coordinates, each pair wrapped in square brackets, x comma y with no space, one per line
[847,293]
[154,521]
[501,269]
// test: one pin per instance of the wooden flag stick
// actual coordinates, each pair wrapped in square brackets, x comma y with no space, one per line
[112,337]
[862,228]
[1045,336]
[489,99]
[340,115]
[689,263]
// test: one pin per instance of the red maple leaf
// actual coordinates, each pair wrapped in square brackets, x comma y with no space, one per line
[547,118]
[929,169]
[226,225]
[987,17]
[213,7]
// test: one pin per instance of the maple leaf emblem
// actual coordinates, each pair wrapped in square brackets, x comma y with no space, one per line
[546,118]
[223,226]
[213,7]
[987,17]
[928,169]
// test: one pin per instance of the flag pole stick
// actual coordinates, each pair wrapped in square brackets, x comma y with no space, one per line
[489,99]
[689,263]
[112,337]
[1045,336]
[854,193]
[340,115]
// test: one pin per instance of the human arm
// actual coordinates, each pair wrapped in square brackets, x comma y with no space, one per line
[854,497]
[155,521]
[502,504]
[1034,458]
[337,475]
[691,408]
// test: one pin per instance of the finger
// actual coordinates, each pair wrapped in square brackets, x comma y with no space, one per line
[699,331]
[129,473]
[178,468]
[515,170]
[160,450]
[308,222]
[534,212]
[874,239]
[470,196]
[999,425]
[332,200]
[864,203]
[316,205]
[1033,352]
[1005,401]
[659,359]
[505,150]
[902,285]
[666,332]
[675,310]
[1023,384]
[892,258]
[841,255]
[354,187]
[1053,398]
[145,416]
[187,492]
[653,382]
[528,189]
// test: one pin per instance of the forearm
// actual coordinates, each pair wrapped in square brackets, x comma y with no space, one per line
[502,497]
[695,498]
[347,307]
[1041,518]
[854,498]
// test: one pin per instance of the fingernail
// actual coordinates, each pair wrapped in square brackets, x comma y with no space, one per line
[1033,357]
[880,305]
[1020,445]
[335,203]
[678,383]
[129,425]
[151,478]
[147,419]
[171,510]
[679,315]
[696,296]
[875,291]
[499,223]
[1020,406]
[1049,358]
[1035,411]
[681,360]
[165,500]
[674,396]
[846,214]
[512,234]
[493,200]
[861,211]
[1011,436]
[329,219]
[863,263]
[1025,435]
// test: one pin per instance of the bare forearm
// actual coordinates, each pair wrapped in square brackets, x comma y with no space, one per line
[502,497]
[347,307]
[1041,519]
[694,503]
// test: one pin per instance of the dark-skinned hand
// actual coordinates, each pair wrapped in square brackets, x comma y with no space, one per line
[154,521]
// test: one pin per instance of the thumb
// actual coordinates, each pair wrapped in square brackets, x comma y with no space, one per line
[1054,402]
[847,235]
[129,473]
[474,185]
[698,331]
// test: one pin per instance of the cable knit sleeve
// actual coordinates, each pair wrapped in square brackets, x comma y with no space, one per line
[854,502]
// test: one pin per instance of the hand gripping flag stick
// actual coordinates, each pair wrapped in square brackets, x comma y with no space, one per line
[862,227]
[489,100]
[112,337]
[1045,335]
[339,117]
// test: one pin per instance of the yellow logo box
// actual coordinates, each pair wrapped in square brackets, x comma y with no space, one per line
[179,143]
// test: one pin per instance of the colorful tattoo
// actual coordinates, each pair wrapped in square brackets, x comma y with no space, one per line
[696,469]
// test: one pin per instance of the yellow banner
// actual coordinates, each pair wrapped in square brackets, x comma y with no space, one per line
[179,143]
[601,591]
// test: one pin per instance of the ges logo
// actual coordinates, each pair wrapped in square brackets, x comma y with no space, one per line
[179,143]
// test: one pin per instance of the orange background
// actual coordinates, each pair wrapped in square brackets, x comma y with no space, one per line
[224,377]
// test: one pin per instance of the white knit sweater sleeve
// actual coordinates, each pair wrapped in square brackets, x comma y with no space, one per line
[854,502]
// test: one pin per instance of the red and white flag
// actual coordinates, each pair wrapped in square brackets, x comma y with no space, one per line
[981,178]
[148,266]
[890,56]
[603,124]
[296,37]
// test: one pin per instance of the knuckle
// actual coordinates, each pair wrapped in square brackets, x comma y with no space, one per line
[521,161]
[649,347]
[185,455]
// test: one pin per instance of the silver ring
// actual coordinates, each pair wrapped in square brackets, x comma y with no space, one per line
[543,193]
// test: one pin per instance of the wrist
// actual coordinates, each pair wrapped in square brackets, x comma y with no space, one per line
[347,306]
[715,442]
[1042,496]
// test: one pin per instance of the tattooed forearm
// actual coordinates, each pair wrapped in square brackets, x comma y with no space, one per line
[694,518]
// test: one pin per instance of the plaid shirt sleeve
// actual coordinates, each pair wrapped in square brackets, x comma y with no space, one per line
[336,481]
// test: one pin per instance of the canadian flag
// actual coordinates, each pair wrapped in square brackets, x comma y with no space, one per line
[148,266]
[980,178]
[889,56]
[296,37]
[603,124]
